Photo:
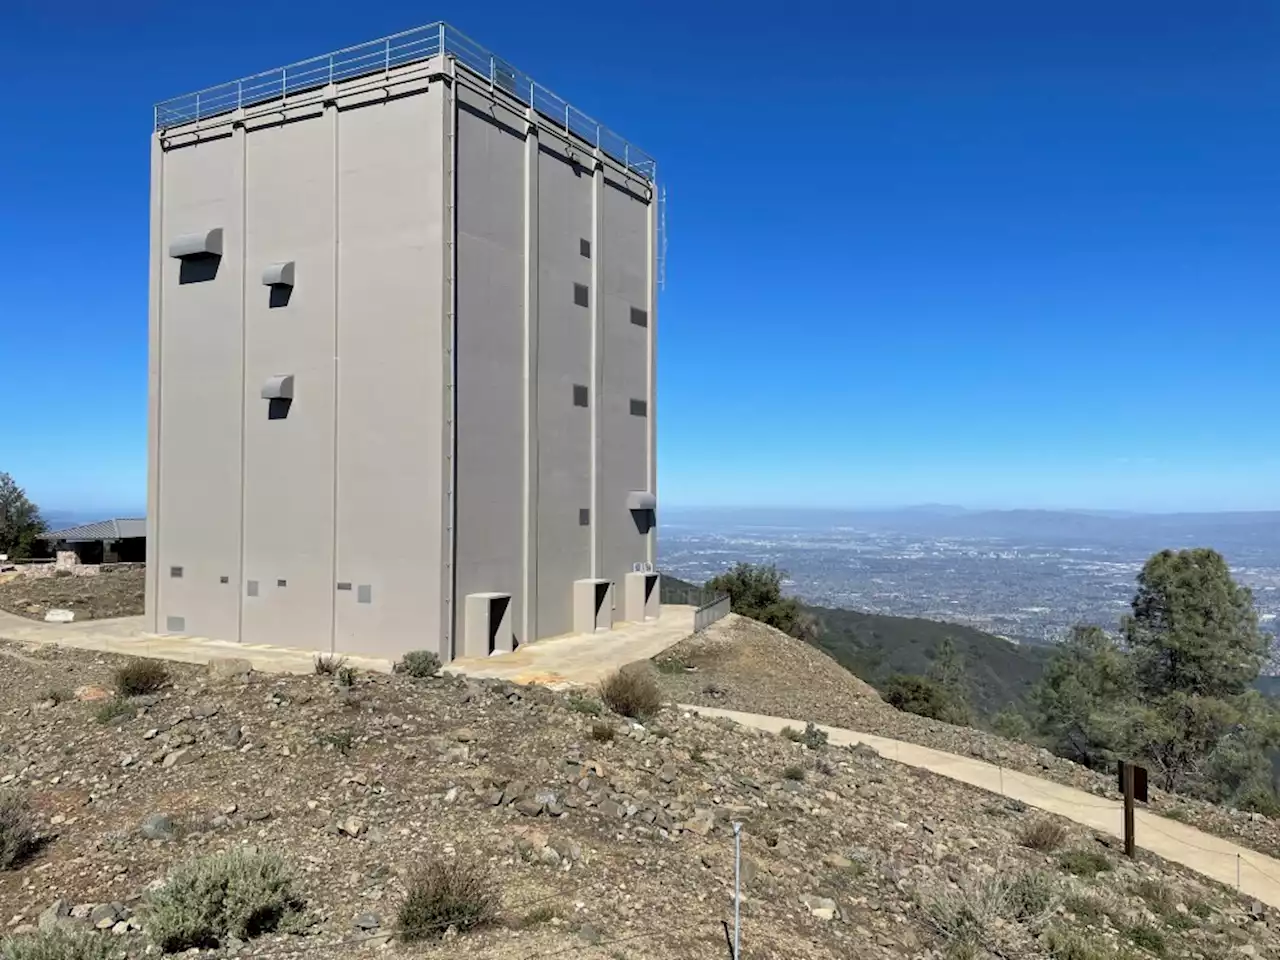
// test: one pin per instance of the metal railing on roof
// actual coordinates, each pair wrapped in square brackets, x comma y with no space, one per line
[381,56]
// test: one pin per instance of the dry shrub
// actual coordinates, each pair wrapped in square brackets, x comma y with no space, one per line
[140,676]
[17,829]
[1043,835]
[446,893]
[59,942]
[328,664]
[632,692]
[239,893]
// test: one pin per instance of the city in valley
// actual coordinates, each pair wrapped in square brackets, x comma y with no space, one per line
[1026,575]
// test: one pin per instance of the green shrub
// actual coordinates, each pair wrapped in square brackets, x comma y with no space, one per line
[55,695]
[1031,897]
[1176,813]
[328,664]
[578,704]
[925,698]
[812,736]
[962,916]
[1042,835]
[1068,945]
[632,692]
[239,893]
[446,893]
[538,915]
[1258,798]
[670,665]
[1147,937]
[109,711]
[347,677]
[419,664]
[793,773]
[602,732]
[140,676]
[1083,863]
[17,829]
[1011,724]
[59,942]
[1086,906]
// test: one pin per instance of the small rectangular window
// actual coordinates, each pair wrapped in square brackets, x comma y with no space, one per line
[251,588]
[639,317]
[584,247]
[344,585]
[282,583]
[175,624]
[224,579]
[639,408]
[580,398]
[364,593]
[580,296]
[584,517]
[175,572]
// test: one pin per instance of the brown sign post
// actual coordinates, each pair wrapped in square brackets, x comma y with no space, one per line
[1133,784]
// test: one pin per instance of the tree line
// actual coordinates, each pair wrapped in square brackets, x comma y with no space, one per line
[20,522]
[1171,687]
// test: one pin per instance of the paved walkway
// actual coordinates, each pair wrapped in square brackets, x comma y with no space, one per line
[124,635]
[1256,874]
[584,658]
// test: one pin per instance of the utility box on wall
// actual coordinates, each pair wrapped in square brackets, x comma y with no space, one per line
[395,359]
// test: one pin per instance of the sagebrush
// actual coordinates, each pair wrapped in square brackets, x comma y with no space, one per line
[632,692]
[441,894]
[419,664]
[239,893]
[1042,835]
[141,676]
[59,942]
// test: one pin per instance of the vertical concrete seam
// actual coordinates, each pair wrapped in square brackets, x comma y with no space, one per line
[651,466]
[597,366]
[529,505]
[155,408]
[451,225]
[241,133]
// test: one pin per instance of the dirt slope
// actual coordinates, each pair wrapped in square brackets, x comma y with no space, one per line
[616,848]
[115,592]
[741,664]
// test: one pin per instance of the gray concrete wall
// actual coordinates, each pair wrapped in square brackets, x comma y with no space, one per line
[345,488]
[288,523]
[200,343]
[390,479]
[564,360]
[490,363]
[624,359]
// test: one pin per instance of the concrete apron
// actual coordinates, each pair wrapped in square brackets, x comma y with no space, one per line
[1254,874]
[124,636]
[579,659]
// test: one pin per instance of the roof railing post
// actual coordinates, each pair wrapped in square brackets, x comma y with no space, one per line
[626,155]
[197,107]
[284,84]
[531,94]
[239,94]
[597,136]
[491,71]
[441,38]
[566,118]
[331,69]
[387,68]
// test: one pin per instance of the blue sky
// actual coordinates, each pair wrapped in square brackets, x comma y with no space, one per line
[996,254]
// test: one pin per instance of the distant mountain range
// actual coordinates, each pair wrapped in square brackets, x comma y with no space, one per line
[1095,527]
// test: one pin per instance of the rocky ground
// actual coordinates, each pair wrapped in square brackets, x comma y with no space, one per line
[740,664]
[111,593]
[606,839]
